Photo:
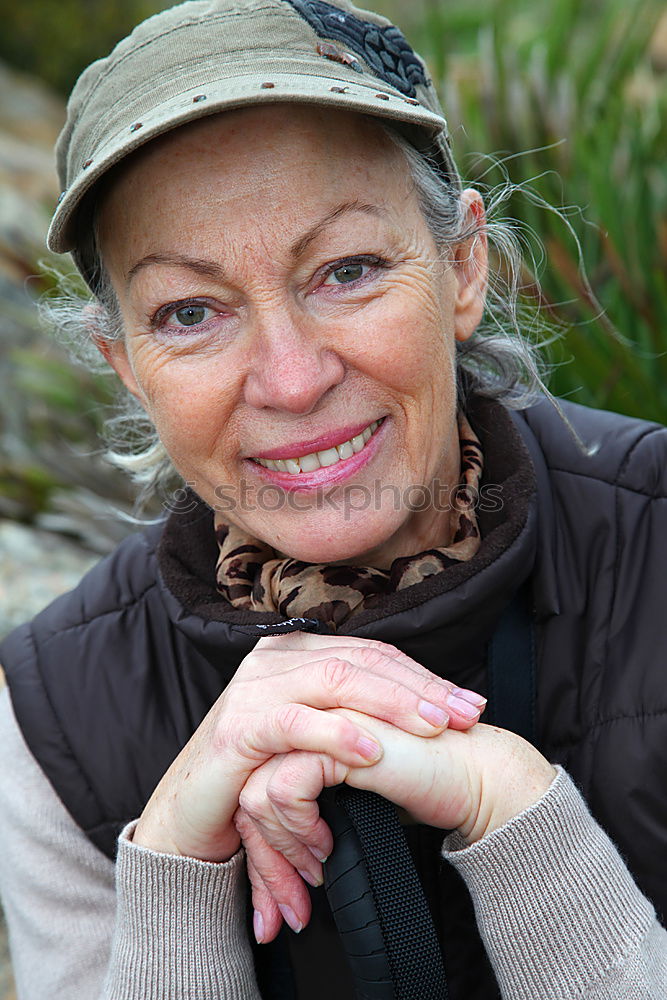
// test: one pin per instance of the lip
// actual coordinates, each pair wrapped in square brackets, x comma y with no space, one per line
[329,476]
[321,443]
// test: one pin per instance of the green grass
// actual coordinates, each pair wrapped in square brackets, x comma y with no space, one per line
[572,98]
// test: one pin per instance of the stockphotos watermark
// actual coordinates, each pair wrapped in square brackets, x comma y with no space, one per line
[348,500]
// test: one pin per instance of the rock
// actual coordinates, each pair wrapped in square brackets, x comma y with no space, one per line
[29,110]
[36,566]
[30,119]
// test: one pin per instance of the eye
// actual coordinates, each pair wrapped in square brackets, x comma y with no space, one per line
[354,271]
[347,273]
[185,316]
[191,315]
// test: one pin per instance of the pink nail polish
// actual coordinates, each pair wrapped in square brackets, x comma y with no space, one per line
[471,696]
[431,713]
[310,879]
[290,917]
[258,926]
[369,748]
[463,707]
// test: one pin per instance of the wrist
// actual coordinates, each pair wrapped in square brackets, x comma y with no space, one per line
[155,835]
[509,779]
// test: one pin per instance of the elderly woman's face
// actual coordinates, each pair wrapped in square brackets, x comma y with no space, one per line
[284,304]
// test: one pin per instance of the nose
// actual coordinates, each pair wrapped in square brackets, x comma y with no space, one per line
[292,367]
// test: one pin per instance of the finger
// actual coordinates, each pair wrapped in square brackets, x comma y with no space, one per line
[256,804]
[293,788]
[372,684]
[386,689]
[278,877]
[267,918]
[465,708]
[304,647]
[403,692]
[295,726]
[424,689]
[281,799]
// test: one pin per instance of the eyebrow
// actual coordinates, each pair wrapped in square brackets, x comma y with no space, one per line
[209,269]
[204,267]
[304,241]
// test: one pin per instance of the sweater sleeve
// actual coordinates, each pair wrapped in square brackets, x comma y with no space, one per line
[559,913]
[81,927]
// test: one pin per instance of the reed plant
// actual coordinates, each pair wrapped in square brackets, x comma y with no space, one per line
[567,102]
[560,104]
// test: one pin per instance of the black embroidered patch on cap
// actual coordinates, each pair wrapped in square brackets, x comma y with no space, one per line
[386,50]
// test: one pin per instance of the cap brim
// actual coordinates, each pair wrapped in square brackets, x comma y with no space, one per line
[380,101]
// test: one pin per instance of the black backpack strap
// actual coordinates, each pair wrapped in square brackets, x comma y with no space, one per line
[372,885]
[511,669]
[377,900]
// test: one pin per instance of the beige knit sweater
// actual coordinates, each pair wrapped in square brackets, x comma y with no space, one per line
[558,911]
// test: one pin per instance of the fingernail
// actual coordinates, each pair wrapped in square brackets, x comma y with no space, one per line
[318,854]
[436,716]
[463,707]
[368,748]
[290,918]
[309,878]
[258,926]
[471,696]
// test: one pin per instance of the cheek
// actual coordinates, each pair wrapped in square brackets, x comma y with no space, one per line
[187,400]
[411,347]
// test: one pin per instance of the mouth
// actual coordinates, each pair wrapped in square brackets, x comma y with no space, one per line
[294,478]
[324,459]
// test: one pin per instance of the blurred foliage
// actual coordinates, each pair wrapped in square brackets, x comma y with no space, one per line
[571,98]
[567,98]
[56,39]
[51,416]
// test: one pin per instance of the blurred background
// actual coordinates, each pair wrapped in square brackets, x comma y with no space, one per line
[569,97]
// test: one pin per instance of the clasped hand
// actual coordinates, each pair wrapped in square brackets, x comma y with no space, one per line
[307,711]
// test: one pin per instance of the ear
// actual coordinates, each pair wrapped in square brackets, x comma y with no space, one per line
[471,267]
[114,352]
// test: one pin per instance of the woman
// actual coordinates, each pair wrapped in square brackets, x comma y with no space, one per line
[291,282]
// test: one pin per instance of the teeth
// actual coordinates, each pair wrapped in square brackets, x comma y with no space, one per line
[309,463]
[329,457]
[321,459]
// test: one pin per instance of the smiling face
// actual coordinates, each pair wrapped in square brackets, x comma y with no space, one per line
[290,328]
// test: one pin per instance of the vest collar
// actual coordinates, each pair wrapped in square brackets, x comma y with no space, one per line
[460,605]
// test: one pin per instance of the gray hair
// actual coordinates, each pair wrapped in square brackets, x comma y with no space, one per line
[502,356]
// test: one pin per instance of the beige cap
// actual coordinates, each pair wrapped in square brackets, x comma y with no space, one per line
[206,56]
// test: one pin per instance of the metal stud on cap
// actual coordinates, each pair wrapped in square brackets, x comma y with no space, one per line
[340,53]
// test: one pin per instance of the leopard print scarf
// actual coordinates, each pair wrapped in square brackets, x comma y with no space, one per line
[250,574]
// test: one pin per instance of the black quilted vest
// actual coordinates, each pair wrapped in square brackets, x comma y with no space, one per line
[111,680]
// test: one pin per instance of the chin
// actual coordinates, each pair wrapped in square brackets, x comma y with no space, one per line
[358,542]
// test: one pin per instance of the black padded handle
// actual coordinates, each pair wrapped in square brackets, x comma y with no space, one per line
[348,889]
[377,901]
